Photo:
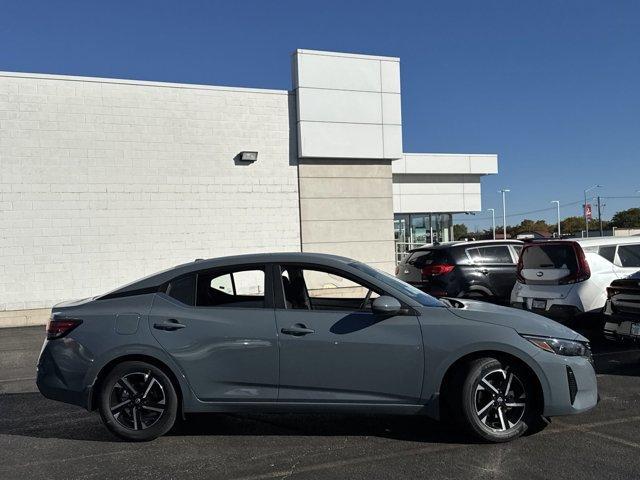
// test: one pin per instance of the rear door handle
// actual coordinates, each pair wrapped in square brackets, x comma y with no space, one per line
[297,330]
[169,325]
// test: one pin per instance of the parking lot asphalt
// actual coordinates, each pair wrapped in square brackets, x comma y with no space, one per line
[43,439]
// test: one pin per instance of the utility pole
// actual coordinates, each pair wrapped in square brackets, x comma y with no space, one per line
[600,216]
[493,221]
[504,212]
[557,202]
[586,217]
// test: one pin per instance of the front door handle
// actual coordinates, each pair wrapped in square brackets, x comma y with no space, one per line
[484,270]
[297,330]
[169,325]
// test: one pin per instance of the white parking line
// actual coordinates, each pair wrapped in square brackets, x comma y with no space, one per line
[5,380]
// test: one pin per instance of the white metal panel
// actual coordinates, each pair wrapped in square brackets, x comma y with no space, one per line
[344,106]
[337,72]
[340,140]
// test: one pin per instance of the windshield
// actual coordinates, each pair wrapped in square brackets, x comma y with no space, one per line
[410,291]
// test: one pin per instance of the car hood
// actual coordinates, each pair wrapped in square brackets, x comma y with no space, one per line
[523,322]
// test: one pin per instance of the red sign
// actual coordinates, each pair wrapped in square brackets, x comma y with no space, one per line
[587,211]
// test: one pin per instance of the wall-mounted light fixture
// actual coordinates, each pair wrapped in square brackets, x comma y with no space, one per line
[248,157]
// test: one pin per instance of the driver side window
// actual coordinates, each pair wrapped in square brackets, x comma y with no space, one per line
[314,289]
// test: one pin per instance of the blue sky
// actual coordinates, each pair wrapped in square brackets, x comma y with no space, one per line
[552,86]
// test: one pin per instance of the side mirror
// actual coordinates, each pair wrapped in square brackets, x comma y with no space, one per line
[386,306]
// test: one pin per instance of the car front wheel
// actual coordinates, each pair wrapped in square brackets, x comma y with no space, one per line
[498,400]
[138,401]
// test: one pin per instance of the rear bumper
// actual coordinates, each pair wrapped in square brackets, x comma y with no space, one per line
[554,311]
[618,328]
[61,377]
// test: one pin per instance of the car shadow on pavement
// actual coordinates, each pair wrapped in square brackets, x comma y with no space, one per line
[50,419]
[397,427]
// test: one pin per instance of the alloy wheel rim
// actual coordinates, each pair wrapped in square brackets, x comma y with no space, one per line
[500,400]
[137,400]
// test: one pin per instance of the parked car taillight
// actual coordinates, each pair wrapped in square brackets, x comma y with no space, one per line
[582,273]
[436,269]
[519,277]
[59,328]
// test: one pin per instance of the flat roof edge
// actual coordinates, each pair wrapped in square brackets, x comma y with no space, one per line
[346,55]
[146,83]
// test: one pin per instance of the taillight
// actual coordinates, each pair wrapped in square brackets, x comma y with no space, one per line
[436,269]
[58,328]
[520,266]
[583,272]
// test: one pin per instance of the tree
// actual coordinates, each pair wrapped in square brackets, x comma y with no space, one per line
[573,225]
[626,219]
[528,226]
[459,231]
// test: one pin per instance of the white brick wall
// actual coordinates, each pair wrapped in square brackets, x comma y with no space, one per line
[102,182]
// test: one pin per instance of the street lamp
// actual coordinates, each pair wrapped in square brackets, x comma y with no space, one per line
[493,220]
[586,218]
[558,205]
[504,212]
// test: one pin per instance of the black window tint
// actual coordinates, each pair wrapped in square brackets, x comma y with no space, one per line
[420,258]
[550,256]
[183,289]
[474,255]
[223,288]
[497,254]
[608,252]
[629,255]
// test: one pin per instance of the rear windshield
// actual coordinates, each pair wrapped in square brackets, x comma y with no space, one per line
[420,258]
[550,256]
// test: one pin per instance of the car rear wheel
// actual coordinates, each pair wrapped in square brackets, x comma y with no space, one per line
[498,400]
[138,401]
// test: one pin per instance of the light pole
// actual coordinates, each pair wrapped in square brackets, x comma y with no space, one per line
[586,218]
[504,212]
[493,221]
[558,205]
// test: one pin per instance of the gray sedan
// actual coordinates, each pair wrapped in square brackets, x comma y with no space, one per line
[299,332]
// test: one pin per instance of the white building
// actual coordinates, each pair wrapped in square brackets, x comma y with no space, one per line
[103,181]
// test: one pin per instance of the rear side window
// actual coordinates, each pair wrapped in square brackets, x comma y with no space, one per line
[608,252]
[549,256]
[495,254]
[629,255]
[241,288]
[183,289]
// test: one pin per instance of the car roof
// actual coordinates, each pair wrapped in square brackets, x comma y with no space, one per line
[591,242]
[472,243]
[164,276]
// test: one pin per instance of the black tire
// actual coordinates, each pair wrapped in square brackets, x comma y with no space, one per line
[498,401]
[138,401]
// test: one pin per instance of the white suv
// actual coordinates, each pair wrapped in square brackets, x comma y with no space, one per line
[563,278]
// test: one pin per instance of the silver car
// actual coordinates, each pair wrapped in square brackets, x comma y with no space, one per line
[299,332]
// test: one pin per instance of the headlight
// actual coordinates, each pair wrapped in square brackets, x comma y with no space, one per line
[569,348]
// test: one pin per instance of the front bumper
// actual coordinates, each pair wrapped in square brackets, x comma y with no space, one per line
[572,384]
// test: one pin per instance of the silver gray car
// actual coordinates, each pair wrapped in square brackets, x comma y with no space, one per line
[300,332]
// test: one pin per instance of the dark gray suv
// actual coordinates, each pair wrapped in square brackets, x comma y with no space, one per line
[297,332]
[483,270]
